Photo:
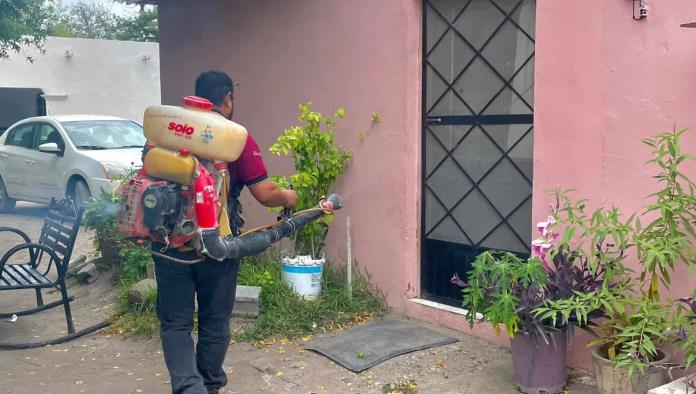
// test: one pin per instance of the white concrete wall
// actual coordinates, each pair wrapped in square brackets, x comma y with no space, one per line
[102,76]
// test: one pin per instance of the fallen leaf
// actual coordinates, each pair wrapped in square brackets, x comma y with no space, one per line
[79,382]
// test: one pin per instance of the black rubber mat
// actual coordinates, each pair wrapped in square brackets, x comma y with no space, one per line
[365,346]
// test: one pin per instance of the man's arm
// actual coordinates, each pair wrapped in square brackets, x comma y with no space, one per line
[252,171]
[271,195]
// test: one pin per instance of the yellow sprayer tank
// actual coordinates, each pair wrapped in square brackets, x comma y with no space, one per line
[195,127]
[177,167]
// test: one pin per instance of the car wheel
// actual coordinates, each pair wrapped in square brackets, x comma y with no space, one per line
[80,193]
[7,204]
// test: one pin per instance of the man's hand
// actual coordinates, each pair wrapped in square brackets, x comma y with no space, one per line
[290,197]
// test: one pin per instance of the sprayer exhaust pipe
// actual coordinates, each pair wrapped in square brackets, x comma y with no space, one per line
[223,248]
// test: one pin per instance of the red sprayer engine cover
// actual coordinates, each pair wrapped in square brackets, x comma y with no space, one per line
[131,220]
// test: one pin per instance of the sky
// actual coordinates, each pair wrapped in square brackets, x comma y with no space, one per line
[116,7]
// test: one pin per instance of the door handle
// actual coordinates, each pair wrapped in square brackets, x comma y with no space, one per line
[30,162]
[433,120]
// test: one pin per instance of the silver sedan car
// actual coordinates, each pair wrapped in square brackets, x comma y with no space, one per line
[51,157]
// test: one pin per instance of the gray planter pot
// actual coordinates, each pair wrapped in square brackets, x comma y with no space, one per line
[539,368]
[611,380]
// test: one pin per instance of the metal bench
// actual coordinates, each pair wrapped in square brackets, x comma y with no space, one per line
[27,266]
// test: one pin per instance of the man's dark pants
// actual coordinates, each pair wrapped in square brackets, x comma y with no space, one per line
[214,284]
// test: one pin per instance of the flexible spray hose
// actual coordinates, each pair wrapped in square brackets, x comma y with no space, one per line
[222,248]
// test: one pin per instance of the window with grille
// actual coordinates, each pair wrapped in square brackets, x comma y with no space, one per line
[478,104]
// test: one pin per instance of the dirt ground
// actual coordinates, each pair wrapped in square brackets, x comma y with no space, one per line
[101,363]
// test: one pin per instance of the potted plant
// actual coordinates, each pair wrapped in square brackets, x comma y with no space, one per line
[627,313]
[687,329]
[504,289]
[100,215]
[318,162]
[508,290]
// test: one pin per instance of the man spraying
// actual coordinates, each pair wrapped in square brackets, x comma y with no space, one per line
[211,282]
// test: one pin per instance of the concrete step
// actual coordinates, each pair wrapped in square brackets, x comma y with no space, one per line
[247,301]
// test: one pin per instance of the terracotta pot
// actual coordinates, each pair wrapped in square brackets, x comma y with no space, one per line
[108,248]
[611,380]
[539,368]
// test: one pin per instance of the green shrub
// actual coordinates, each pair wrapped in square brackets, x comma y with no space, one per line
[134,261]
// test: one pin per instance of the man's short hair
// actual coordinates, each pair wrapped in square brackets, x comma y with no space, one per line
[214,85]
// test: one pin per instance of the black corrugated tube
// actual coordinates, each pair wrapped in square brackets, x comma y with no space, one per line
[222,248]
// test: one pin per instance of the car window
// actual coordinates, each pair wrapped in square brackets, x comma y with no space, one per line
[22,136]
[105,134]
[48,133]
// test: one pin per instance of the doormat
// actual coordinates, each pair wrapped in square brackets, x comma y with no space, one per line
[365,346]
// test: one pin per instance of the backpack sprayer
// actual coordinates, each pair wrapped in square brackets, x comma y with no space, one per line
[178,199]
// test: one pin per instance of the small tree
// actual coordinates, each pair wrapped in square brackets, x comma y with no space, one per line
[318,162]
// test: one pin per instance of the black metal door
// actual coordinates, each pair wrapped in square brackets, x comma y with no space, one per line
[478,100]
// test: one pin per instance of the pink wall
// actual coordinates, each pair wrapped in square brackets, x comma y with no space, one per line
[604,82]
[362,55]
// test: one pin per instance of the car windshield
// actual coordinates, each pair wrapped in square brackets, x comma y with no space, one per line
[105,134]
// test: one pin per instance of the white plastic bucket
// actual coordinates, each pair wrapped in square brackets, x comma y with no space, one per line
[304,275]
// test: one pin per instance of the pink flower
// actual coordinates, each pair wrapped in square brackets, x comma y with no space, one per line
[540,247]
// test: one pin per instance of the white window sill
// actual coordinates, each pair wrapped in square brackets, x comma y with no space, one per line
[444,307]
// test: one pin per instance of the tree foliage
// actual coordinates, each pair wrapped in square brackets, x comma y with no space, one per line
[85,20]
[23,25]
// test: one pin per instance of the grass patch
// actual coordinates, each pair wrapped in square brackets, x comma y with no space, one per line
[137,319]
[284,314]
